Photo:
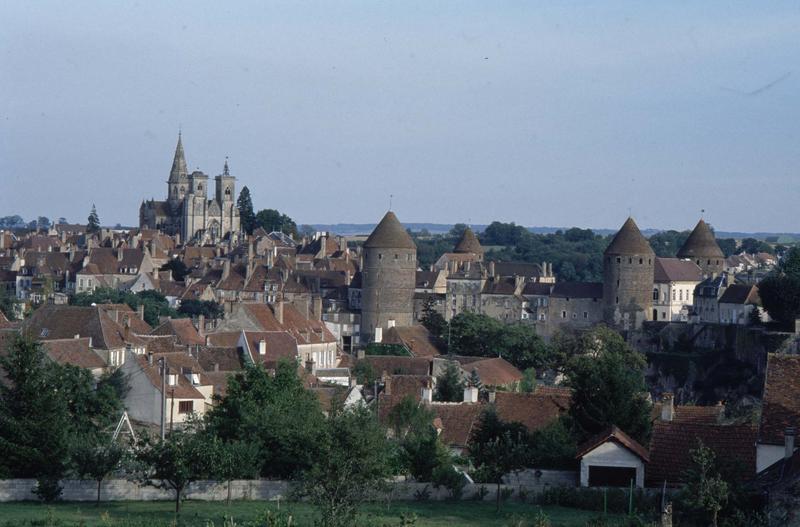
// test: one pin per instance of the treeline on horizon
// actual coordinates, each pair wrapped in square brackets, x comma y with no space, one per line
[576,254]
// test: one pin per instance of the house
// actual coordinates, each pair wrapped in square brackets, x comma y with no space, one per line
[780,407]
[106,336]
[183,329]
[737,304]
[674,283]
[493,372]
[187,392]
[576,304]
[706,298]
[612,459]
[268,347]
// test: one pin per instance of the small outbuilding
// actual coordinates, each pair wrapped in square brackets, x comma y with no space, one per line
[612,459]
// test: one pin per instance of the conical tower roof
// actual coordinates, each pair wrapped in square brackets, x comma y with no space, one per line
[629,240]
[701,242]
[468,243]
[389,234]
[179,170]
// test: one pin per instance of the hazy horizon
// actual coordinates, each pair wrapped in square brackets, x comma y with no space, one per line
[571,114]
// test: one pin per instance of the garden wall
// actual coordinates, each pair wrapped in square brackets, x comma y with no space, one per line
[125,490]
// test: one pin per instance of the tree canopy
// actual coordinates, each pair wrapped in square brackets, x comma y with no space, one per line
[247,217]
[273,220]
[93,221]
[608,386]
[780,290]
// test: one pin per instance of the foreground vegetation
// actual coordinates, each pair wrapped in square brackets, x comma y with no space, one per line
[256,513]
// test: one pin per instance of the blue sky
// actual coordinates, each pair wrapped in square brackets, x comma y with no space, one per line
[569,113]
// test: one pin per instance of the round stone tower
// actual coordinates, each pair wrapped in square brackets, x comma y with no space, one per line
[701,247]
[388,279]
[628,278]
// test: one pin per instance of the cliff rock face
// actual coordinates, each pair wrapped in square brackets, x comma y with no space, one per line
[707,363]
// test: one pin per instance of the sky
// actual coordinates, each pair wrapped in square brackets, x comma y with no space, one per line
[541,113]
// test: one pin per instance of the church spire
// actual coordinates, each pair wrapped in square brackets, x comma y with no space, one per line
[225,171]
[179,170]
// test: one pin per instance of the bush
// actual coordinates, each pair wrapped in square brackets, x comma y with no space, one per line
[448,477]
[423,494]
[48,489]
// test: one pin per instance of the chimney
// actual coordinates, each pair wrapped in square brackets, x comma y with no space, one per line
[310,365]
[492,396]
[667,407]
[201,324]
[360,354]
[216,366]
[226,269]
[347,278]
[77,336]
[140,310]
[120,254]
[427,393]
[788,440]
[149,358]
[387,383]
[470,394]
[279,311]
[343,245]
[323,246]
[492,270]
[318,307]
[262,347]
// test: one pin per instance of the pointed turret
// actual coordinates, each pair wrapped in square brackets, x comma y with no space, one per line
[468,244]
[179,170]
[629,240]
[701,247]
[701,243]
[389,233]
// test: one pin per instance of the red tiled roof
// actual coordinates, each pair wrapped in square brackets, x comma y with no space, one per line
[457,421]
[75,352]
[672,443]
[534,411]
[278,345]
[417,339]
[181,328]
[676,270]
[399,365]
[781,402]
[495,371]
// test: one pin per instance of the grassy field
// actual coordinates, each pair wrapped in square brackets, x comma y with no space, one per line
[208,514]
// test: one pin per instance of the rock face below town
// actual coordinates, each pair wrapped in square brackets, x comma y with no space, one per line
[705,364]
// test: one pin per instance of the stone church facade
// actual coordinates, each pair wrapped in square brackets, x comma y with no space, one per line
[188,211]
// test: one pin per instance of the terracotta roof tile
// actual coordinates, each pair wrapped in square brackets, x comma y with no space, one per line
[616,435]
[781,402]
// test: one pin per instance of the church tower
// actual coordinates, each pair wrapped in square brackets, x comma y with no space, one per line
[388,279]
[628,267]
[178,183]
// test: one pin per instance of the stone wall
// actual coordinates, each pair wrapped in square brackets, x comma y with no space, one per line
[125,490]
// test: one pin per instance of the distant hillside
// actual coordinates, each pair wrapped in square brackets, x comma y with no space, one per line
[353,229]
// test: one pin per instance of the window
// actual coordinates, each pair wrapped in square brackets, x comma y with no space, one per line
[619,260]
[680,295]
[574,315]
[630,260]
[380,256]
[542,317]
[616,300]
[396,257]
[655,294]
[185,407]
[674,295]
[585,314]
[641,261]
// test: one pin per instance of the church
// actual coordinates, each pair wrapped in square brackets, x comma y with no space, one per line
[187,210]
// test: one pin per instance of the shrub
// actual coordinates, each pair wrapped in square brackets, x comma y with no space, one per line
[448,477]
[423,494]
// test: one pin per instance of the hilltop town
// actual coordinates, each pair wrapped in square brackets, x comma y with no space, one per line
[479,361]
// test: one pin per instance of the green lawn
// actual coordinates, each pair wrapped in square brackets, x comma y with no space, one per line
[207,514]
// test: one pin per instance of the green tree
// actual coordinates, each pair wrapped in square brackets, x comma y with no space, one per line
[475,379]
[364,373]
[173,463]
[753,246]
[667,243]
[247,217]
[705,488]
[457,231]
[97,461]
[177,268]
[421,450]
[35,423]
[7,304]
[728,246]
[93,222]
[208,308]
[272,220]
[234,460]
[780,291]
[353,461]
[608,386]
[497,448]
[449,385]
[528,383]
[554,446]
[433,321]
[275,412]
[480,335]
